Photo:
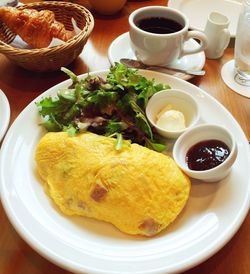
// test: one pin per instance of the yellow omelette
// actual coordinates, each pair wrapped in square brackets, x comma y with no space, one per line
[138,190]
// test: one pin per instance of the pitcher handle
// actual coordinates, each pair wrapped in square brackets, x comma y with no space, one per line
[225,39]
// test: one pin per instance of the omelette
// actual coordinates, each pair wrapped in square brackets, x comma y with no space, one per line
[138,190]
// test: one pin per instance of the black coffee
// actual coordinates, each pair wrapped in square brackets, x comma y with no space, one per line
[159,25]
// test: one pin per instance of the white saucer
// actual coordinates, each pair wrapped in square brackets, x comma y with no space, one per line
[228,75]
[4,114]
[120,48]
[198,11]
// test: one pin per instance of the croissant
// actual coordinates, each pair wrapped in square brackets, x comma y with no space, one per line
[36,28]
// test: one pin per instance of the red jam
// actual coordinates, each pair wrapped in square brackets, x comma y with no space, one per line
[207,154]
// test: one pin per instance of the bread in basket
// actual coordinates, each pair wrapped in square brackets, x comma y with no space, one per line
[50,58]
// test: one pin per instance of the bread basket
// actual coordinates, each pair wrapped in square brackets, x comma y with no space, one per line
[53,58]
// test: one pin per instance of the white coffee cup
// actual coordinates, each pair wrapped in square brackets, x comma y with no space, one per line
[218,35]
[162,49]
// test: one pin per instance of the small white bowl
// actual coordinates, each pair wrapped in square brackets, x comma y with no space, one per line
[179,100]
[201,133]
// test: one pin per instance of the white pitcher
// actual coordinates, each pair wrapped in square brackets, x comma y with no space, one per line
[218,35]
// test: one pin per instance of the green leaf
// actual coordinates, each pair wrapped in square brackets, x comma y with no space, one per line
[102,98]
[50,105]
[71,113]
[46,105]
[71,75]
[67,95]
[143,97]
[51,124]
[124,104]
[119,141]
[141,120]
[155,146]
[114,126]
[160,87]
[71,130]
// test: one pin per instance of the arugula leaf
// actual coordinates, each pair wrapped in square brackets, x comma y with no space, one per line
[141,120]
[124,78]
[67,95]
[71,129]
[143,124]
[102,98]
[155,146]
[72,112]
[51,124]
[50,105]
[119,141]
[114,126]
[71,75]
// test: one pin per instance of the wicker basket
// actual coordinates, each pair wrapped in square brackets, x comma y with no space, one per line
[50,59]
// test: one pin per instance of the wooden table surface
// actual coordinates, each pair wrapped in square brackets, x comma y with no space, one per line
[21,87]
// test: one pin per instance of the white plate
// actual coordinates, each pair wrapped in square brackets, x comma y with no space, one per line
[213,213]
[4,114]
[198,11]
[120,48]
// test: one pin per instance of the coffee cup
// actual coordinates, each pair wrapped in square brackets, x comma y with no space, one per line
[158,35]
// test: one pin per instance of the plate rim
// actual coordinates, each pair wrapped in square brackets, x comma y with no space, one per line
[5,113]
[226,237]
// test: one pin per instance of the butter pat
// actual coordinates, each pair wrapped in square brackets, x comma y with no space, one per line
[171,119]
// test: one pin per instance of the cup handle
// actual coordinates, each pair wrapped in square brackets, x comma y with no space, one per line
[225,39]
[196,35]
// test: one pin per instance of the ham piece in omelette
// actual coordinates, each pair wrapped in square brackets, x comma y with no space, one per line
[138,190]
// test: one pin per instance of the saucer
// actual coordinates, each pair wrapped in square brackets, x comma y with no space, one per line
[120,48]
[4,114]
[198,11]
[228,76]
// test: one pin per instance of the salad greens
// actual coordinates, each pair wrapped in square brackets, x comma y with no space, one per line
[111,107]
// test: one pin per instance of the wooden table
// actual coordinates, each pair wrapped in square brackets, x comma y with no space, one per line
[21,87]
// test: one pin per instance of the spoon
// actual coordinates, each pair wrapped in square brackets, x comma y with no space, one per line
[131,63]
